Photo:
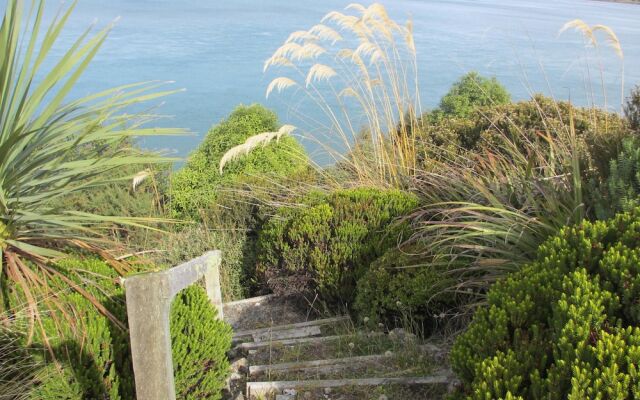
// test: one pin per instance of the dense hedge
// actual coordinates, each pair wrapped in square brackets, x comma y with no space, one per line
[195,187]
[328,243]
[565,326]
[95,353]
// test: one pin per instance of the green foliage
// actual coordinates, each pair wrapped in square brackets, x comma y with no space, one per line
[565,326]
[41,131]
[472,91]
[632,108]
[200,343]
[621,189]
[94,352]
[329,242]
[196,186]
[401,283]
[175,248]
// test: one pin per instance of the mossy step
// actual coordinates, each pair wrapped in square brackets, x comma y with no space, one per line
[410,361]
[291,342]
[257,390]
[249,334]
[336,346]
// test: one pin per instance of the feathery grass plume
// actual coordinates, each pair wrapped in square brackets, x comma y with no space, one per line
[280,84]
[364,79]
[589,33]
[139,178]
[261,139]
[319,72]
[40,134]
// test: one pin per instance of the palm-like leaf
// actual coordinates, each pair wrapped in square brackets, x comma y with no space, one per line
[40,133]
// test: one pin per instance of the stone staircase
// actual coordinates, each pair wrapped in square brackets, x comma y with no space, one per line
[282,351]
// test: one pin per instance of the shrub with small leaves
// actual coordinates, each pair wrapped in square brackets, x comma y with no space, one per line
[621,189]
[329,242]
[95,354]
[472,91]
[565,326]
[200,343]
[402,283]
[632,108]
[195,187]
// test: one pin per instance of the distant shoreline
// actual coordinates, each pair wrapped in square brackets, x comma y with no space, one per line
[622,1]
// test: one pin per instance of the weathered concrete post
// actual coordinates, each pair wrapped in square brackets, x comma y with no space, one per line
[149,299]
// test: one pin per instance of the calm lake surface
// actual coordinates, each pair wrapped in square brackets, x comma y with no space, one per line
[216,49]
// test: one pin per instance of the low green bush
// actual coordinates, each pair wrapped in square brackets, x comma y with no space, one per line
[632,108]
[175,248]
[399,285]
[600,133]
[472,91]
[621,189]
[565,326]
[200,344]
[94,352]
[329,242]
[194,188]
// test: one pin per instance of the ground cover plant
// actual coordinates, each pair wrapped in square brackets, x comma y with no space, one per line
[565,326]
[326,244]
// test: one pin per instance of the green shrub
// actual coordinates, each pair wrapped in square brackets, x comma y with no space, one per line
[401,284]
[621,189]
[565,326]
[200,343]
[328,243]
[178,247]
[600,134]
[632,108]
[472,91]
[195,187]
[94,352]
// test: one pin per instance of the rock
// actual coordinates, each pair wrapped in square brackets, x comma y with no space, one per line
[285,397]
[240,365]
[388,353]
[235,376]
[307,395]
[383,397]
[290,392]
[327,390]
[239,396]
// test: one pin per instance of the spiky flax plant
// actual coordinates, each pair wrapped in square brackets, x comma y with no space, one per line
[41,132]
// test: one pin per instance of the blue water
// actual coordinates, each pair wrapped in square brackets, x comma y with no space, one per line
[215,49]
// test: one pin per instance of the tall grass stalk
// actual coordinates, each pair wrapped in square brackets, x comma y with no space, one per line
[359,68]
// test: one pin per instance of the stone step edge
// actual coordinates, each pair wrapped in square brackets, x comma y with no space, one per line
[330,362]
[290,342]
[315,322]
[250,300]
[266,388]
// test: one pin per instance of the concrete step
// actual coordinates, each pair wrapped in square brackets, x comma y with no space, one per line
[335,364]
[262,311]
[294,342]
[248,335]
[265,389]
